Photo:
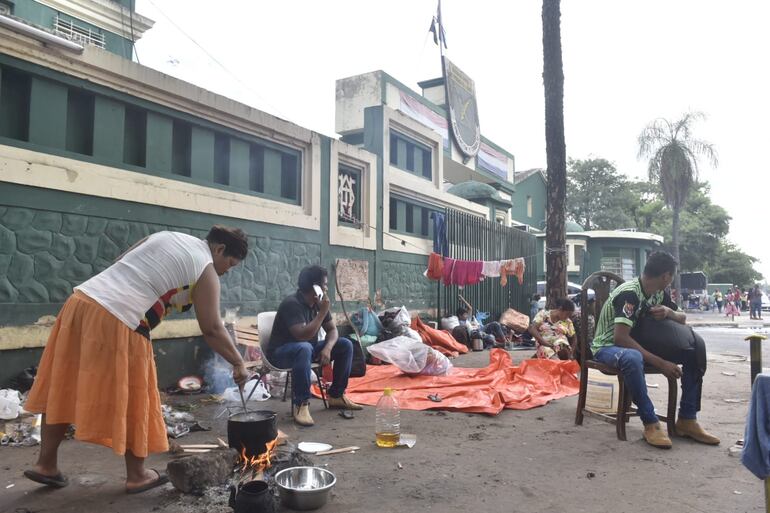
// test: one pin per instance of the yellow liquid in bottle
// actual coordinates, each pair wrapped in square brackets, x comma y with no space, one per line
[387,439]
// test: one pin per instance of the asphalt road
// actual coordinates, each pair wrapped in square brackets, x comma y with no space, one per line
[731,341]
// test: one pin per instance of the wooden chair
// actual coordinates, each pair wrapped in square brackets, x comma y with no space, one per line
[265,328]
[602,283]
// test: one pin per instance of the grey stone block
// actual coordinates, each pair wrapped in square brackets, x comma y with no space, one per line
[193,474]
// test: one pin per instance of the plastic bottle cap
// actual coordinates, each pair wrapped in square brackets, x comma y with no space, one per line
[388,391]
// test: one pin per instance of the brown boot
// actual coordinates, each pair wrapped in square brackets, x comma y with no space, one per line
[690,428]
[342,403]
[656,437]
[302,415]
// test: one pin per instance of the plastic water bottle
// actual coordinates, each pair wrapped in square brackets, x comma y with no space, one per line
[388,425]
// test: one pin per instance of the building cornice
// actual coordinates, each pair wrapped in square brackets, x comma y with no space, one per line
[104,14]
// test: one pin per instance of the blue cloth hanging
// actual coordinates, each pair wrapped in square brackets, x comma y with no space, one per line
[440,243]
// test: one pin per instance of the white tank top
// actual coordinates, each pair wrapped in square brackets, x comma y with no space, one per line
[151,280]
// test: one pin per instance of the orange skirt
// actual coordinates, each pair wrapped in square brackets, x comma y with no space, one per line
[99,375]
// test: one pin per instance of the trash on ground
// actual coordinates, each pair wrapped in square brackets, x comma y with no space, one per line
[253,390]
[737,492]
[10,404]
[346,414]
[399,465]
[728,373]
[652,385]
[24,432]
[735,450]
[591,475]
[735,401]
[407,440]
[10,486]
[180,423]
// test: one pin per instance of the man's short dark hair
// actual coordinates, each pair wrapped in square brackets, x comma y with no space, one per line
[235,240]
[311,275]
[461,311]
[564,304]
[659,263]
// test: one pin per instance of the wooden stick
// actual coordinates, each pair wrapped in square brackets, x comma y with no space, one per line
[200,446]
[470,307]
[197,450]
[337,451]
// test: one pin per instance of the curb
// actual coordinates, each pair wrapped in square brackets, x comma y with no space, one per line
[727,325]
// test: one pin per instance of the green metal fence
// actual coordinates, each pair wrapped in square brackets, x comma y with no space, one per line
[474,238]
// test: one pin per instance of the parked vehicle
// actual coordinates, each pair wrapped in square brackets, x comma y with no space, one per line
[573,289]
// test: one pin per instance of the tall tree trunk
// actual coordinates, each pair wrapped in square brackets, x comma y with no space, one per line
[553,81]
[675,246]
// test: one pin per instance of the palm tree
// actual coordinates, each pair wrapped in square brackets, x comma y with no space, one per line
[556,153]
[673,163]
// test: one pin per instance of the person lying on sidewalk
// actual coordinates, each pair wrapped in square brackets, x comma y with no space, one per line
[294,343]
[98,370]
[492,333]
[613,345]
[554,332]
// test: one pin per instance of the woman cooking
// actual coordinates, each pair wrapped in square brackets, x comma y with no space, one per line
[98,370]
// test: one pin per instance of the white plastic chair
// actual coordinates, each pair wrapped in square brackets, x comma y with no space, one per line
[265,322]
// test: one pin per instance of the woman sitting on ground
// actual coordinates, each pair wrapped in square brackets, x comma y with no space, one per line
[554,332]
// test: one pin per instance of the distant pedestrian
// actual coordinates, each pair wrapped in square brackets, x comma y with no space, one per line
[731,307]
[719,299]
[755,301]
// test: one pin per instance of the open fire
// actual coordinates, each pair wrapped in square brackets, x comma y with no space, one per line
[251,468]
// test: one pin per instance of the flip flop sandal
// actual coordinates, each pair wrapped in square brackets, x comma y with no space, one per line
[346,414]
[161,480]
[57,481]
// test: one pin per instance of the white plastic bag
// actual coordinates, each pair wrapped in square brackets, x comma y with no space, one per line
[10,404]
[450,323]
[404,352]
[436,364]
[231,394]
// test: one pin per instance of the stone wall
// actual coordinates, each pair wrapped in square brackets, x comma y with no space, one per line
[44,254]
[404,285]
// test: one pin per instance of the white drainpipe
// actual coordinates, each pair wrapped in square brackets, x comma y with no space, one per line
[40,35]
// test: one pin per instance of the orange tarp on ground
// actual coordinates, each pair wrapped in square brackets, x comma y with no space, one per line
[487,390]
[440,340]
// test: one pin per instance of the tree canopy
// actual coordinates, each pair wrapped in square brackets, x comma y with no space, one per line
[599,197]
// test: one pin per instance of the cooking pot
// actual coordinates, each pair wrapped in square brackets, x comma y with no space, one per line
[251,430]
[252,497]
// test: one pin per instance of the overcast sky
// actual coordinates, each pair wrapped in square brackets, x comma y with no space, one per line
[625,64]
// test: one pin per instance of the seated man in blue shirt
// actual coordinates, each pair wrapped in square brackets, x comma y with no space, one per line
[294,343]
[613,345]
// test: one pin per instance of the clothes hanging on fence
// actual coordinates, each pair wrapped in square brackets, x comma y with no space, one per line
[513,267]
[449,264]
[440,242]
[466,272]
[491,269]
[435,267]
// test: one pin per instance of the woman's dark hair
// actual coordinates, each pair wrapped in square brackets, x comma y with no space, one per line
[461,311]
[311,275]
[659,263]
[564,304]
[235,240]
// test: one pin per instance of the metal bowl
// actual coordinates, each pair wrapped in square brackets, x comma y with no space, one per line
[304,488]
